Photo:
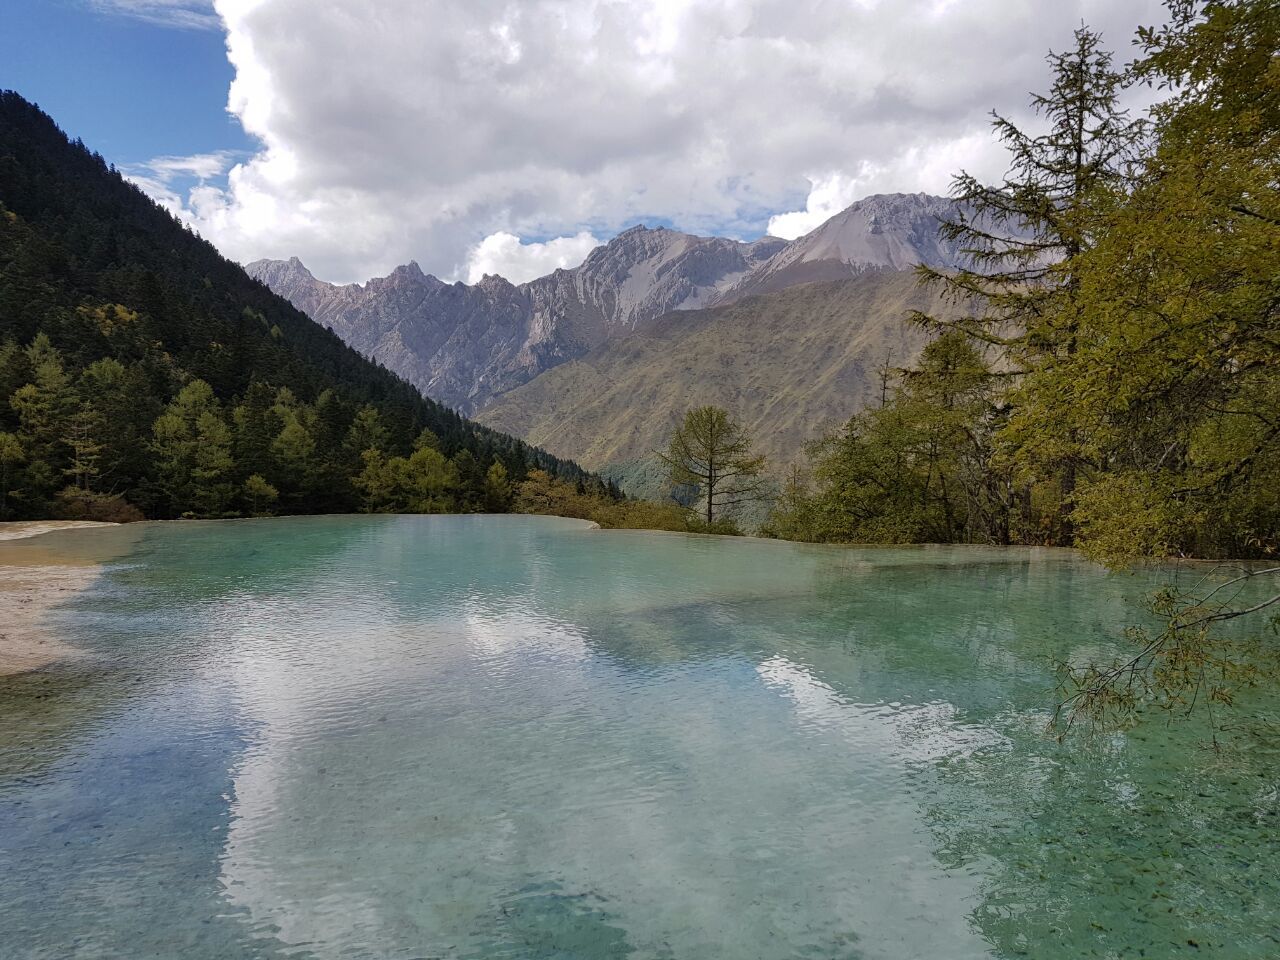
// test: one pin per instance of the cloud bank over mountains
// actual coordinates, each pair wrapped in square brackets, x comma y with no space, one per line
[510,137]
[506,255]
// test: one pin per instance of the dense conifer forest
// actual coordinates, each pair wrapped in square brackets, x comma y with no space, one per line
[143,374]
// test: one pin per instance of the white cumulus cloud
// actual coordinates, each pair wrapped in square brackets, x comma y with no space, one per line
[392,130]
[177,182]
[927,167]
[828,195]
[507,256]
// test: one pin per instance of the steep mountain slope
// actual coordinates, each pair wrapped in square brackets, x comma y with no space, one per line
[466,344]
[789,365]
[897,231]
[105,296]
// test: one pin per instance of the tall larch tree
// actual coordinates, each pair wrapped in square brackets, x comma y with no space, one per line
[712,453]
[1024,235]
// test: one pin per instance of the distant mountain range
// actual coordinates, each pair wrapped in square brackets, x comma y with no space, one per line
[595,362]
[465,344]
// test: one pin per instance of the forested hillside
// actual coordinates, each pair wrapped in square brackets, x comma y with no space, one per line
[143,373]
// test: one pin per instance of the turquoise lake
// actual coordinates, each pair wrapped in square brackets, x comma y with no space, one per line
[515,737]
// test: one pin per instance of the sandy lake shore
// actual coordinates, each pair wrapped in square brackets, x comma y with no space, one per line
[34,578]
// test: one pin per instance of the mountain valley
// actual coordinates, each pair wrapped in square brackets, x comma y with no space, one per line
[597,362]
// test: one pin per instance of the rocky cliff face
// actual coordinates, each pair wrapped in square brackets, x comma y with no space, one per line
[466,344]
[642,274]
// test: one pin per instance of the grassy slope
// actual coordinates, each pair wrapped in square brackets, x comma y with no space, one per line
[791,365]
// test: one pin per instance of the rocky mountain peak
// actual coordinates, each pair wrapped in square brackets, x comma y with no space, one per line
[645,271]
[495,283]
[467,344]
[631,245]
[290,279]
[893,231]
[292,269]
[409,271]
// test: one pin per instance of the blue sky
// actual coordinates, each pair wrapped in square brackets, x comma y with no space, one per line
[131,89]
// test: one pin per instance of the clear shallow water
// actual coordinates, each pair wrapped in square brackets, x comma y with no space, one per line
[476,737]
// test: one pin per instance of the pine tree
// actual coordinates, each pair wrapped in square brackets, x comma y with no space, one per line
[192,447]
[259,495]
[12,456]
[470,487]
[44,406]
[331,486]
[83,429]
[376,482]
[257,426]
[294,450]
[430,482]
[367,432]
[498,489]
[1172,389]
[918,468]
[213,465]
[14,372]
[126,408]
[793,514]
